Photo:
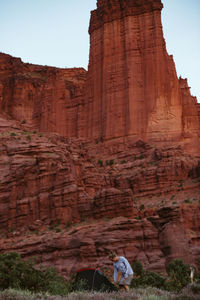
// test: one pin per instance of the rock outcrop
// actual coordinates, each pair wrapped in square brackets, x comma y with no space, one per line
[69,201]
[99,160]
[88,244]
[191,116]
[45,98]
[131,87]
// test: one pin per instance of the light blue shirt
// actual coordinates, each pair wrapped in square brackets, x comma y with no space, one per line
[122,266]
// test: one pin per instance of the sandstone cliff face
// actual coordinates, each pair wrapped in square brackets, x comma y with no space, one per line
[43,97]
[79,174]
[131,87]
[70,201]
[132,80]
[88,244]
[191,116]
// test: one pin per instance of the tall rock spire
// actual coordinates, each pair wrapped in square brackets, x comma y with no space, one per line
[132,87]
[109,10]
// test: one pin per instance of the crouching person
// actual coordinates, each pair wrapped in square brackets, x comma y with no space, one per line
[123,273]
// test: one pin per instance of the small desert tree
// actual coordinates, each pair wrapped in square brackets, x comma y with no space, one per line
[145,278]
[20,274]
[179,275]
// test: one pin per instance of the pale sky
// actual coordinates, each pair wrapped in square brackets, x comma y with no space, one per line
[55,33]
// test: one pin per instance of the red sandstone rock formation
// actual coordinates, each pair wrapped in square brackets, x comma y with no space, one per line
[49,183]
[191,116]
[44,97]
[131,89]
[132,85]
[88,244]
[117,190]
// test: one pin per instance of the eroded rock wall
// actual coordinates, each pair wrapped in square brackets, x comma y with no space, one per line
[45,98]
[98,183]
[191,117]
[132,85]
[70,201]
[88,244]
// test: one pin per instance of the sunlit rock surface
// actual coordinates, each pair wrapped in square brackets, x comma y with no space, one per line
[104,159]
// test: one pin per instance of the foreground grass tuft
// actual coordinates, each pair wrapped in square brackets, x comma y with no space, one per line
[134,294]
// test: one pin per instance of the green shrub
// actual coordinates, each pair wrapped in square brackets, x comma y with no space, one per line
[179,275]
[197,275]
[146,278]
[123,161]
[68,224]
[19,274]
[188,200]
[55,225]
[100,163]
[180,183]
[110,162]
[137,268]
[13,134]
[141,207]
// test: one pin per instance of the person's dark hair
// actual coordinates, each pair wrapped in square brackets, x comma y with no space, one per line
[112,254]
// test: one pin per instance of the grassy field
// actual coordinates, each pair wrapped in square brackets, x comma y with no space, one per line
[189,293]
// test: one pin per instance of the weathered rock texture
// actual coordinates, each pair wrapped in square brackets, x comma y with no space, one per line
[131,87]
[141,200]
[79,174]
[44,97]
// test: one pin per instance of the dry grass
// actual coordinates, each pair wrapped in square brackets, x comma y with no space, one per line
[135,294]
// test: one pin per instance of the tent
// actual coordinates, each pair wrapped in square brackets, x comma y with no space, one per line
[92,280]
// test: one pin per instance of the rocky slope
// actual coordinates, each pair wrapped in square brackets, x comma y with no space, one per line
[69,201]
[101,160]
